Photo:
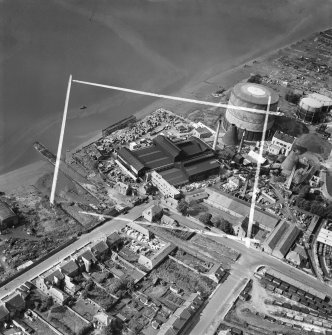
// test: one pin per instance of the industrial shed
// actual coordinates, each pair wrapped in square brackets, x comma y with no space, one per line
[240,208]
[7,216]
[281,239]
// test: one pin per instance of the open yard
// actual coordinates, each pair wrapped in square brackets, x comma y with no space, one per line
[192,261]
[39,327]
[185,279]
[86,309]
[216,250]
[65,320]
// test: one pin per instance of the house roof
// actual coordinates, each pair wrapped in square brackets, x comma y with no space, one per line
[284,137]
[100,247]
[57,273]
[103,318]
[3,312]
[61,295]
[203,130]
[5,211]
[113,238]
[155,209]
[69,267]
[16,302]
[88,255]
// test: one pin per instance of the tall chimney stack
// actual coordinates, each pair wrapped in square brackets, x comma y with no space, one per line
[215,142]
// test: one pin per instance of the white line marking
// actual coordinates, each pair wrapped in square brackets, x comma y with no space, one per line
[58,156]
[170,97]
[258,169]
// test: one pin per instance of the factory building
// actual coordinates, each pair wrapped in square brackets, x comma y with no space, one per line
[289,163]
[7,217]
[239,208]
[177,162]
[251,96]
[281,239]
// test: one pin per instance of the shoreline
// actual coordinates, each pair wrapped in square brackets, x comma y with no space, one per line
[195,88]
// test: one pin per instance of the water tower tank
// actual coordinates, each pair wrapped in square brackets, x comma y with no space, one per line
[252,96]
[310,110]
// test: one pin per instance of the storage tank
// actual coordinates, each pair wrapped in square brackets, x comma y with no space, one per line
[310,110]
[255,96]
[324,100]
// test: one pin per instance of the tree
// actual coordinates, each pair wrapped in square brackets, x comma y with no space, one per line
[292,97]
[205,218]
[255,78]
[226,227]
[182,207]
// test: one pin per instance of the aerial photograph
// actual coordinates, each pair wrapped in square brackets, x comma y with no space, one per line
[165,167]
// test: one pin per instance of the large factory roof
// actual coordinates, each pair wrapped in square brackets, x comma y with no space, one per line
[255,93]
[164,152]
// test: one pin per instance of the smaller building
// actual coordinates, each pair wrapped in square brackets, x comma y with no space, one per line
[284,141]
[58,296]
[102,319]
[167,220]
[15,303]
[202,132]
[198,197]
[70,269]
[298,256]
[152,213]
[7,217]
[157,258]
[123,188]
[164,186]
[140,228]
[113,240]
[88,260]
[281,239]
[4,314]
[100,249]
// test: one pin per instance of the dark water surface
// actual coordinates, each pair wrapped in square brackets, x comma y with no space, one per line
[149,45]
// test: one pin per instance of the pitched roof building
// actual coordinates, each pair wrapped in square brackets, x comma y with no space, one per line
[7,216]
[281,239]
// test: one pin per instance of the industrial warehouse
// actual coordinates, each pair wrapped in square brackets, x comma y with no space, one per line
[178,162]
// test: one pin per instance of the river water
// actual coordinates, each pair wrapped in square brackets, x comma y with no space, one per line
[148,45]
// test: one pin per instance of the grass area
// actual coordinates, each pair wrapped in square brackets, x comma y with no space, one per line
[39,327]
[189,281]
[193,262]
[65,320]
[86,309]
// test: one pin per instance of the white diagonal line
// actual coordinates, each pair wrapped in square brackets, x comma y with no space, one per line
[258,169]
[62,132]
[171,97]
